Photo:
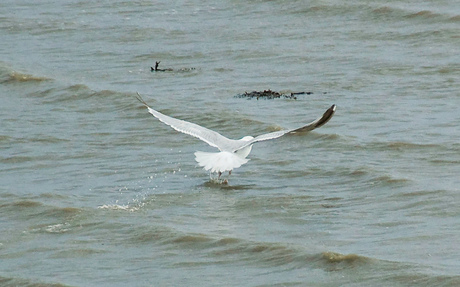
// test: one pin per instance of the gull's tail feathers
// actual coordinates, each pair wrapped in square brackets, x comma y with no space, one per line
[219,161]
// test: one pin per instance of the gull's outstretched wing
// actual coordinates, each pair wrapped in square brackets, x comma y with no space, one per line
[309,127]
[208,136]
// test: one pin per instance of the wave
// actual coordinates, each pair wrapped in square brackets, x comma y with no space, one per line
[122,207]
[422,14]
[204,249]
[257,253]
[402,146]
[409,145]
[73,253]
[35,208]
[325,10]
[8,73]
[402,13]
[14,281]
[15,77]
[83,99]
[44,139]
[445,161]
[55,93]
[385,13]
[436,154]
[9,76]
[333,258]
[39,209]
[22,204]
[426,202]
[399,14]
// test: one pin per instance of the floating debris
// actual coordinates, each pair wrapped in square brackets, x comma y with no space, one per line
[156,69]
[269,94]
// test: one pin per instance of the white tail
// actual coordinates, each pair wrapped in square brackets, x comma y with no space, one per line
[219,161]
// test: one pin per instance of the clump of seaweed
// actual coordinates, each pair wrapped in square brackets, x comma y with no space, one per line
[269,95]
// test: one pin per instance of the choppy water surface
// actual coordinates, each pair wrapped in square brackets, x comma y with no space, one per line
[96,192]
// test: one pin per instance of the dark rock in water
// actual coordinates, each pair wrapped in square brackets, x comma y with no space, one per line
[269,94]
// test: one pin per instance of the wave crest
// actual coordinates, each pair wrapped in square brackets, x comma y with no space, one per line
[9,76]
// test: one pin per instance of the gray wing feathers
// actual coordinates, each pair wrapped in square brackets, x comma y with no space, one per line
[270,136]
[309,127]
[204,134]
[224,144]
[210,137]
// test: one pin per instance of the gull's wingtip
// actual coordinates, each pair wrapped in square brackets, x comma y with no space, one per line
[140,99]
[326,116]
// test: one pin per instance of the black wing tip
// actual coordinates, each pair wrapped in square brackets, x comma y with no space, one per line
[326,116]
[332,108]
[140,99]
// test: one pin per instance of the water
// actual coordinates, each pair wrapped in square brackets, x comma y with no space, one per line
[96,192]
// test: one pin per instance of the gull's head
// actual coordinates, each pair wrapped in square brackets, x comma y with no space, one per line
[247,138]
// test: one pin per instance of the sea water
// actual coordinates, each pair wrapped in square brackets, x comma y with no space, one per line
[94,191]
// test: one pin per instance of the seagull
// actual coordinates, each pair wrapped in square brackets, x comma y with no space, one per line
[232,153]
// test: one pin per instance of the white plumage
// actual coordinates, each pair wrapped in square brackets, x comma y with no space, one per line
[232,153]
[219,161]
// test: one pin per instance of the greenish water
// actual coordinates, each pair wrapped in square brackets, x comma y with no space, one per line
[96,192]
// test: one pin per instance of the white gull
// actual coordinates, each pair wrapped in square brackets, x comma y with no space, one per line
[232,153]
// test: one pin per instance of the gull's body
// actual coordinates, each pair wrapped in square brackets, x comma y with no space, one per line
[232,153]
